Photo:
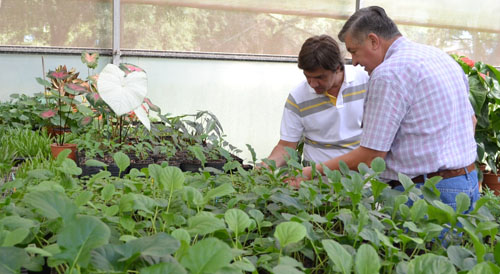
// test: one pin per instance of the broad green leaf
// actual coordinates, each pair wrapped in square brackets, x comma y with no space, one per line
[108,258]
[158,245]
[198,153]
[43,82]
[182,235]
[41,174]
[463,202]
[163,268]
[405,181]
[144,203]
[496,253]
[289,232]
[207,256]
[68,166]
[343,168]
[479,247]
[366,260]
[83,197]
[11,259]
[79,237]
[418,210]
[458,255]
[192,196]
[286,269]
[174,178]
[203,225]
[16,236]
[158,174]
[244,265]
[287,200]
[222,190]
[95,163]
[430,264]
[39,251]
[339,256]
[121,160]
[108,191]
[377,188]
[112,210]
[482,268]
[257,215]
[378,165]
[85,110]
[14,222]
[237,220]
[51,204]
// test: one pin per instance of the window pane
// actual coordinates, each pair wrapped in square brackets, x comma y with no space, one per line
[456,26]
[57,23]
[249,26]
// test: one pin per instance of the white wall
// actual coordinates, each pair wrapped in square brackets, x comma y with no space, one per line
[247,97]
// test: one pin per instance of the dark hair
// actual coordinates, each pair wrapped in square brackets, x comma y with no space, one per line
[366,20]
[320,52]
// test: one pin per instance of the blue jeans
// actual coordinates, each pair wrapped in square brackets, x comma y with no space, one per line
[451,187]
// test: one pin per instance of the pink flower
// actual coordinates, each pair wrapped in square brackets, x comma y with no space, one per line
[96,96]
[48,114]
[482,75]
[468,61]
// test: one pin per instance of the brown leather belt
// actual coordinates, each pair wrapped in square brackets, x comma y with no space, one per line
[442,173]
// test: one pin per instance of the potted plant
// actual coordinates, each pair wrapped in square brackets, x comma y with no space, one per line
[64,109]
[484,95]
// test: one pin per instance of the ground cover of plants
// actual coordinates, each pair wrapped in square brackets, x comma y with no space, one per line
[161,220]
[127,206]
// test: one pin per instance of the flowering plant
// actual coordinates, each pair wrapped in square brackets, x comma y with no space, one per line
[63,102]
[484,95]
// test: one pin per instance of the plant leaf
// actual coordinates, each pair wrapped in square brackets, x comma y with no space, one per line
[339,256]
[11,259]
[121,160]
[174,178]
[222,190]
[78,238]
[51,204]
[122,94]
[289,232]
[162,268]
[207,256]
[430,264]
[367,260]
[203,224]
[237,220]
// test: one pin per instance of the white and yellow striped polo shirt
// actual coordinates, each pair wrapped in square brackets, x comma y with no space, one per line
[331,126]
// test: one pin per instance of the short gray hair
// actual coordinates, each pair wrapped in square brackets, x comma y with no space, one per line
[369,20]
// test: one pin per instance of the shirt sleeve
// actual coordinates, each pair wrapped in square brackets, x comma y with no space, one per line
[291,126]
[385,107]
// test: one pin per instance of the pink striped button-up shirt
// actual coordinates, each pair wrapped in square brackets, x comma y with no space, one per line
[417,109]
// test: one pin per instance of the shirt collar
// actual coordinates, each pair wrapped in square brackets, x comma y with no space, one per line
[394,47]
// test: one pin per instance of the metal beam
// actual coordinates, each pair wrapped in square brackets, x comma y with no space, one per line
[116,31]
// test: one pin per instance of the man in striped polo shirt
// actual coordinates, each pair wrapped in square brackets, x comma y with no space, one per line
[417,114]
[326,108]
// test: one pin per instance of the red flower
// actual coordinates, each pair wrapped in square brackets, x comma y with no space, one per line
[468,61]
